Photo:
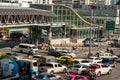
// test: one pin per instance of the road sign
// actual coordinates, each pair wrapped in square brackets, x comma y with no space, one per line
[110,25]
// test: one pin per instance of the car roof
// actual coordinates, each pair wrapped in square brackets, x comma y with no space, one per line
[31,60]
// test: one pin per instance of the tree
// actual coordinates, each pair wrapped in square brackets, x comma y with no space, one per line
[5,56]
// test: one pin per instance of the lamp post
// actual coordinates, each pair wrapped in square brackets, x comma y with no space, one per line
[90,47]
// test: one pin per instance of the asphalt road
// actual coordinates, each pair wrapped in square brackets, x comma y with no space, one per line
[82,52]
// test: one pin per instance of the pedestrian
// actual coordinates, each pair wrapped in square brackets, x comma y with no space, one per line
[98,54]
[111,51]
[107,50]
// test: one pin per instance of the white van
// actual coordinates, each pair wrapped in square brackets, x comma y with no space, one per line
[28,48]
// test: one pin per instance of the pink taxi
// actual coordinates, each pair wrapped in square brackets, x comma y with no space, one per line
[72,76]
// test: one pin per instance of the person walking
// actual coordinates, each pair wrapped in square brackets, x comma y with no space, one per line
[111,51]
[107,50]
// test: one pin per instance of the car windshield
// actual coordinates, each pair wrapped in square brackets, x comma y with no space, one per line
[34,47]
[77,66]
[47,65]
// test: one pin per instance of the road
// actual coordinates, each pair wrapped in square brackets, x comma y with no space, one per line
[81,52]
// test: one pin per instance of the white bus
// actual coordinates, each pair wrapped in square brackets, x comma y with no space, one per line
[28,48]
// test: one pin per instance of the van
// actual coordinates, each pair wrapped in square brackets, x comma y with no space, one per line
[28,48]
[33,65]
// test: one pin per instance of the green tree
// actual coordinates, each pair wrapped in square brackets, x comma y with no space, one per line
[5,56]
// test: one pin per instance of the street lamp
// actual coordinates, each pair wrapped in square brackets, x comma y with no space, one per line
[90,47]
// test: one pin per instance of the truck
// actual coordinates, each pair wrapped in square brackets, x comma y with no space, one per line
[52,67]
[8,69]
[18,69]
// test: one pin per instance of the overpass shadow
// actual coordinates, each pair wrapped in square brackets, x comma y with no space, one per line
[10,44]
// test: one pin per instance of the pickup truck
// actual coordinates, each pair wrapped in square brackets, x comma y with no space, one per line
[52,67]
[101,69]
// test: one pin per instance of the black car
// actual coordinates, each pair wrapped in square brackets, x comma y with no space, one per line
[56,53]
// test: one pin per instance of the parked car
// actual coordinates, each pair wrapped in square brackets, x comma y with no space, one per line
[47,76]
[109,61]
[68,53]
[78,68]
[63,59]
[72,76]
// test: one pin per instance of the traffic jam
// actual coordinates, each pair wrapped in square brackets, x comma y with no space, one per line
[55,65]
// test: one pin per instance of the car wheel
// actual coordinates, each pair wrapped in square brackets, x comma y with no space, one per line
[99,74]
[109,72]
[114,65]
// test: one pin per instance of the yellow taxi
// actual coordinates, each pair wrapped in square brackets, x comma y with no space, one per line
[63,59]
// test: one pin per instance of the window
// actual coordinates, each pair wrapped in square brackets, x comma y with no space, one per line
[22,46]
[59,65]
[35,64]
[55,65]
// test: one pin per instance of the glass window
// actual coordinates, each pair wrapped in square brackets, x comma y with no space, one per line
[35,64]
[59,65]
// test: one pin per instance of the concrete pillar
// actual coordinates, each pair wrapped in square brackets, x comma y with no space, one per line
[49,33]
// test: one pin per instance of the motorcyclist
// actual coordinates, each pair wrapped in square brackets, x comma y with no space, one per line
[92,75]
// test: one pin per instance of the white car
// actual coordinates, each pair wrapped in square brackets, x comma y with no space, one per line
[107,55]
[78,68]
[95,59]
[83,61]
[101,69]
[68,53]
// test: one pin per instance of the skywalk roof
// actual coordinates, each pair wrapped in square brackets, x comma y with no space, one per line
[24,11]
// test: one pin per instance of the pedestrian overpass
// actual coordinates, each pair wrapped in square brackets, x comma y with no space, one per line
[18,17]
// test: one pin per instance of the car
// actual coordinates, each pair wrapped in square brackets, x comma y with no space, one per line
[94,59]
[78,68]
[47,76]
[56,53]
[100,69]
[93,44]
[72,76]
[109,61]
[83,61]
[15,56]
[68,53]
[107,55]
[100,39]
[63,59]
